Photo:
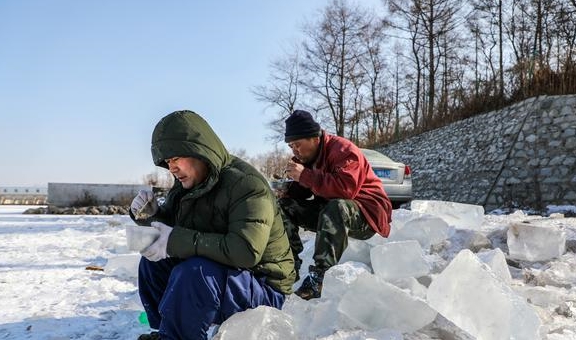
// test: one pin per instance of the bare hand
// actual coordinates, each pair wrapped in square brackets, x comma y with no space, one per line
[280,193]
[294,170]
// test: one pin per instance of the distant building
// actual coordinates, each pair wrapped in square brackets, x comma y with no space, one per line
[23,195]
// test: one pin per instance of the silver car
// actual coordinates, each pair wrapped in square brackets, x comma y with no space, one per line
[396,177]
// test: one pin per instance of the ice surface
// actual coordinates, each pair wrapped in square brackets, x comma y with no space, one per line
[436,263]
[458,215]
[376,240]
[260,323]
[564,334]
[399,219]
[496,260]
[476,241]
[469,294]
[401,216]
[426,229]
[47,294]
[382,334]
[529,241]
[396,260]
[561,272]
[337,280]
[139,238]
[373,304]
[412,285]
[543,297]
[357,251]
[316,317]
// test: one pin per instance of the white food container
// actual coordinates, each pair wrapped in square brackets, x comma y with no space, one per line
[140,237]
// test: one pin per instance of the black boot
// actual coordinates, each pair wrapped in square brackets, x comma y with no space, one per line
[151,336]
[311,287]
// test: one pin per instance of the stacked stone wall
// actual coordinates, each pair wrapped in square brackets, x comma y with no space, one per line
[521,156]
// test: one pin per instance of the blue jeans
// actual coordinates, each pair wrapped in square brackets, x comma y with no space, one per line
[182,298]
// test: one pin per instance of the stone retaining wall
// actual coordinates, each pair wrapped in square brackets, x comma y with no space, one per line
[521,156]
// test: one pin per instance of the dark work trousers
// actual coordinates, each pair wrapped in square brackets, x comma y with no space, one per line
[333,221]
[182,298]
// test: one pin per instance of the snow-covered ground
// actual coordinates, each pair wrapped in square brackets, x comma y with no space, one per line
[48,290]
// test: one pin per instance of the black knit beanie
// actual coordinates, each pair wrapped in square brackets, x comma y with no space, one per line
[300,124]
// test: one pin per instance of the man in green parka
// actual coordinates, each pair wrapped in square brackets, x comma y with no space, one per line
[222,247]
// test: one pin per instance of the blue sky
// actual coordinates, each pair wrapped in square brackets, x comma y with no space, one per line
[82,83]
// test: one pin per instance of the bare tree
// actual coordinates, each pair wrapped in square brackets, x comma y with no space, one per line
[487,25]
[438,18]
[161,178]
[532,34]
[272,163]
[240,153]
[281,92]
[372,62]
[331,61]
[565,19]
[343,74]
[429,23]
[418,56]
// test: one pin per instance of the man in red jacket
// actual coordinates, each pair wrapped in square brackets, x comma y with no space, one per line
[335,193]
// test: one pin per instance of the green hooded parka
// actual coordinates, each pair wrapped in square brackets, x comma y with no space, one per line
[232,217]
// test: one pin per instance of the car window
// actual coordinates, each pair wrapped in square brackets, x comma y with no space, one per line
[375,155]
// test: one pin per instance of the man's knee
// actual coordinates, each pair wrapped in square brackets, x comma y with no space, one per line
[337,206]
[149,271]
[195,268]
[337,211]
[344,215]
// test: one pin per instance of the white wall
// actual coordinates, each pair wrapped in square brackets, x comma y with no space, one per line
[23,191]
[23,195]
[69,194]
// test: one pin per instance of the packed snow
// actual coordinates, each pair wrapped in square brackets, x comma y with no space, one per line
[447,271]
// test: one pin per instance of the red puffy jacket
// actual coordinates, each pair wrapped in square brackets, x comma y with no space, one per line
[342,171]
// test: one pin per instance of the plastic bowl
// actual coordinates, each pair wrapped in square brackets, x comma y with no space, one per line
[282,184]
[140,237]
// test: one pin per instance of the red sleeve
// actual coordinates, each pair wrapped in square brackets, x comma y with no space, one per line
[340,177]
